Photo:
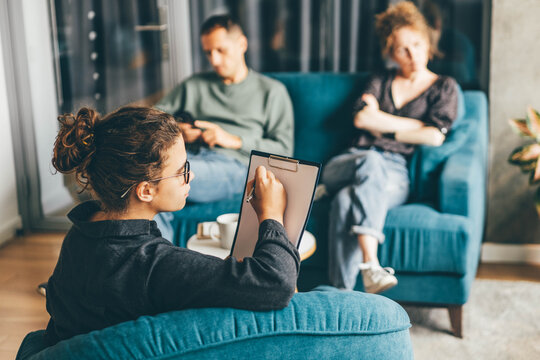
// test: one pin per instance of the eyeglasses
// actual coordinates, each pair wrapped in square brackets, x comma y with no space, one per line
[185,173]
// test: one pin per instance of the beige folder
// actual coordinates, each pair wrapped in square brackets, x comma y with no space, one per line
[299,177]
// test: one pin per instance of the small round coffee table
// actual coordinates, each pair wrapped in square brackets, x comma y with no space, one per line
[308,245]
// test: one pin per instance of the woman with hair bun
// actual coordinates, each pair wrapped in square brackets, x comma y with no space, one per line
[114,265]
[399,109]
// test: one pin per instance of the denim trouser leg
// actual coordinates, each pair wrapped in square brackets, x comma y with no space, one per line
[366,183]
[217,177]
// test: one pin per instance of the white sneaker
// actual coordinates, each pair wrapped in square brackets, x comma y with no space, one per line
[376,278]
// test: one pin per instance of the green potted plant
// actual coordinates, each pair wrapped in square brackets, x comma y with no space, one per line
[527,157]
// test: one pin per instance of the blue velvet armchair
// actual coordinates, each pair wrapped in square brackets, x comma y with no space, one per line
[324,324]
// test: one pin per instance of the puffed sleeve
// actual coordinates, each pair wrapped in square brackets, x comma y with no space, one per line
[443,106]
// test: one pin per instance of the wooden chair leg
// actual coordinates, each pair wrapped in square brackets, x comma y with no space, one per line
[456,319]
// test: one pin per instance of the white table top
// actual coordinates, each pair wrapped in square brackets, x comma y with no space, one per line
[308,245]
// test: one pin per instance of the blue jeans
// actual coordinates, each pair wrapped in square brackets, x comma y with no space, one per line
[217,177]
[365,184]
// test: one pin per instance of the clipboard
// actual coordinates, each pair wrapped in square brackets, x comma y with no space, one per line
[299,178]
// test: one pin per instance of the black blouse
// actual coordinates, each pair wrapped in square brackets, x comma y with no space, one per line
[437,106]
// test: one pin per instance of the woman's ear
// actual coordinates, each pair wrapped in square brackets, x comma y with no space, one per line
[145,191]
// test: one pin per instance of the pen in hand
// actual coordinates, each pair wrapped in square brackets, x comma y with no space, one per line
[251,194]
[267,196]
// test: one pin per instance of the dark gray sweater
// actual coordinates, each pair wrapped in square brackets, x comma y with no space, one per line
[114,271]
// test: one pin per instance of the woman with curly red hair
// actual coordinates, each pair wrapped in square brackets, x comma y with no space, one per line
[399,109]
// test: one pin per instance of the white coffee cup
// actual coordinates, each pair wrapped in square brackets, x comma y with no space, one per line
[224,229]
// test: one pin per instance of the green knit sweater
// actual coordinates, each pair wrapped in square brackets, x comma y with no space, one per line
[258,110]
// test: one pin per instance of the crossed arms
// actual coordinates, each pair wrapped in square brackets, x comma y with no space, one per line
[406,130]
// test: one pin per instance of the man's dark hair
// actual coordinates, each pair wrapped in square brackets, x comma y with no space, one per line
[224,21]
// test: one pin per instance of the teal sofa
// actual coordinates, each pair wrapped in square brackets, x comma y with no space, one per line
[433,241]
[324,324]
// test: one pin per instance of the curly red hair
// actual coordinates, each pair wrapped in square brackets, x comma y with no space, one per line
[400,15]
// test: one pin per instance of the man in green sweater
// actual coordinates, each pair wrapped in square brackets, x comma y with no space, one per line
[235,109]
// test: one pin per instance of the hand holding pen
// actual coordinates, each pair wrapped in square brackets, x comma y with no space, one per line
[251,194]
[266,195]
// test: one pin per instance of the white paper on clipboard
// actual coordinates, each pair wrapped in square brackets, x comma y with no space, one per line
[299,179]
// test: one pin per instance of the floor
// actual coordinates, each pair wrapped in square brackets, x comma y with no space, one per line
[24,263]
[29,260]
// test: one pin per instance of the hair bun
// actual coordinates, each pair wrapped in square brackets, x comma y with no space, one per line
[75,142]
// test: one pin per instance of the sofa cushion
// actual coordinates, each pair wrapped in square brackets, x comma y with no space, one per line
[419,239]
[326,323]
[322,105]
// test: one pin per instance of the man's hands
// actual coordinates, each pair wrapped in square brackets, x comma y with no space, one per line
[211,134]
[270,198]
[191,134]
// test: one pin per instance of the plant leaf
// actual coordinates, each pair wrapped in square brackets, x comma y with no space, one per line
[535,175]
[527,167]
[520,126]
[533,122]
[524,155]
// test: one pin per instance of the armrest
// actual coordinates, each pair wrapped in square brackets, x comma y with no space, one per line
[325,324]
[462,182]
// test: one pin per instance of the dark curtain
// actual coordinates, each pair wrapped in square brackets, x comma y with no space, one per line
[104,61]
[299,35]
[339,35]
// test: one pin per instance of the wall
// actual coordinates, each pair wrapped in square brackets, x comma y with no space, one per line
[9,210]
[514,84]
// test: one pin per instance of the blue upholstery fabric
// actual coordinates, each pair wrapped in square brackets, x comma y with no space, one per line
[422,240]
[322,104]
[327,324]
